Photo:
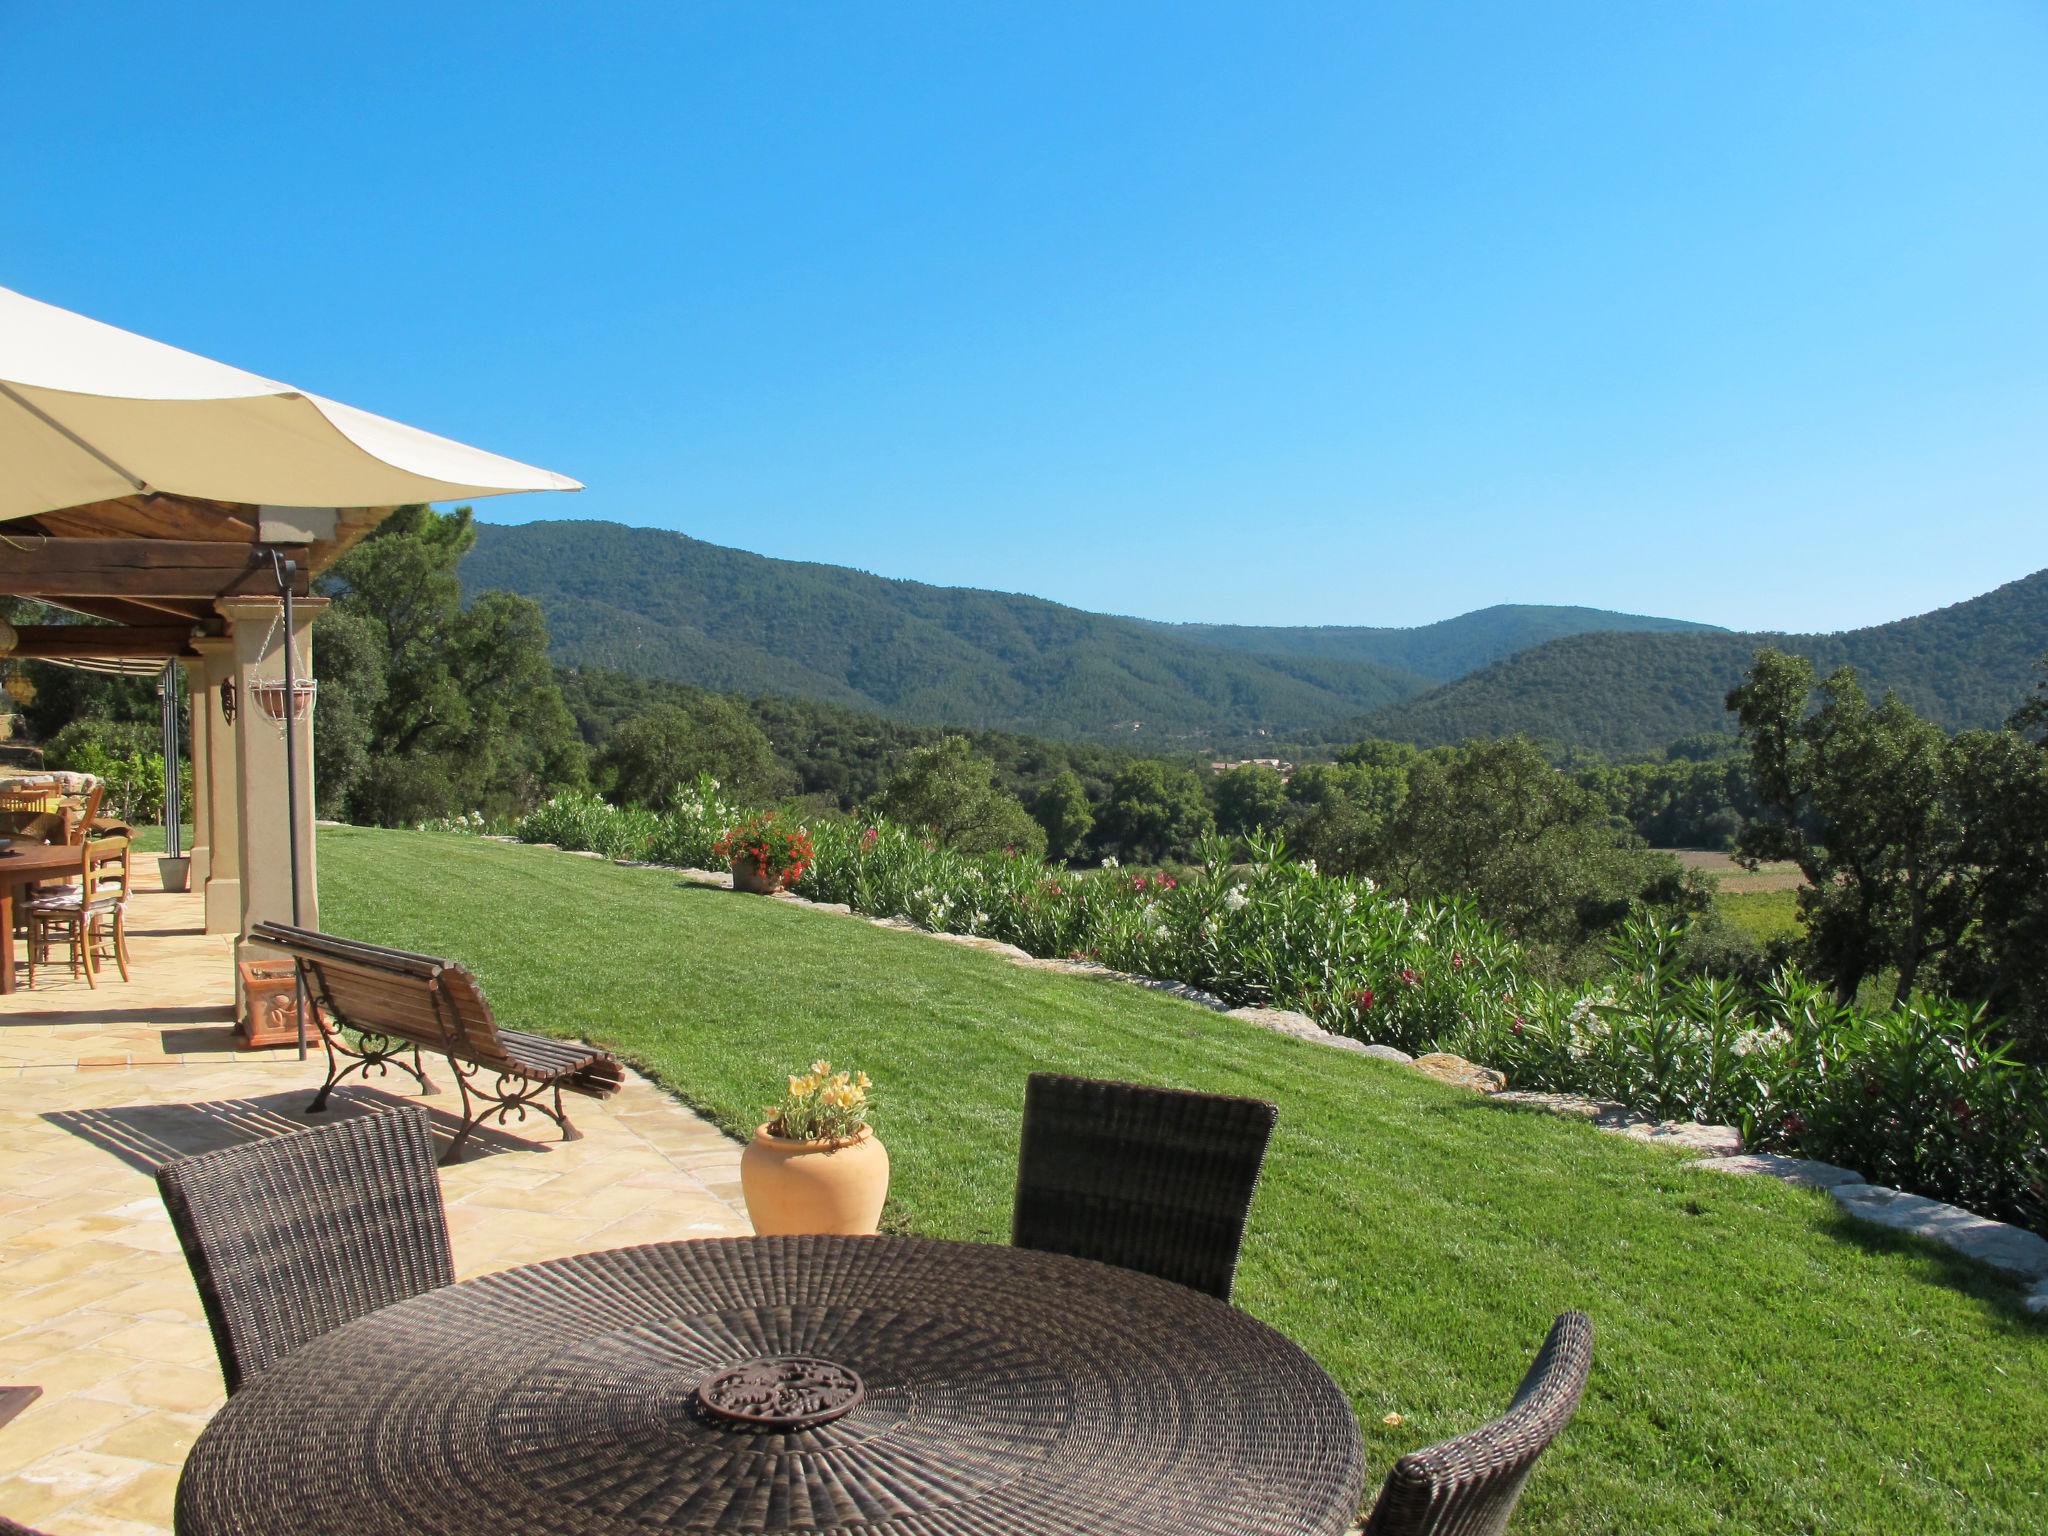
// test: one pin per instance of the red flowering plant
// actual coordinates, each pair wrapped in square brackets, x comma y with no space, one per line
[779,849]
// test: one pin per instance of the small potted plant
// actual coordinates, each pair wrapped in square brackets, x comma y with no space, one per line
[816,1165]
[765,852]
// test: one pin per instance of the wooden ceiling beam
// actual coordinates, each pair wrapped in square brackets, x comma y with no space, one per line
[156,516]
[73,642]
[140,568]
[127,610]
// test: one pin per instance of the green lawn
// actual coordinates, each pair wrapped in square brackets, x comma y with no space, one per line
[1763,1365]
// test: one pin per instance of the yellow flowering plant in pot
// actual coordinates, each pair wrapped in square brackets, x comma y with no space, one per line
[815,1164]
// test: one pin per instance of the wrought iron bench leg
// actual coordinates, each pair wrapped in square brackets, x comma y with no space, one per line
[569,1130]
[371,1058]
[510,1100]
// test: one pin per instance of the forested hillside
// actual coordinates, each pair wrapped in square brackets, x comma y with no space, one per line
[1962,666]
[662,605]
[1441,651]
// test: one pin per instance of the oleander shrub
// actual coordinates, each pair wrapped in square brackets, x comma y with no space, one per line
[688,832]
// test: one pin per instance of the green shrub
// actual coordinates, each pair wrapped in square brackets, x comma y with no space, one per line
[125,757]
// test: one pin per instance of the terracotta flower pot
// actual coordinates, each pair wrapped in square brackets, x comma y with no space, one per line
[749,876]
[815,1186]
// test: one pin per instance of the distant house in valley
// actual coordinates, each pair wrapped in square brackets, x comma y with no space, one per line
[1279,765]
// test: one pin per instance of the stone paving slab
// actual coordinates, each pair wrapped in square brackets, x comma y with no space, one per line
[2010,1248]
[1805,1171]
[98,1086]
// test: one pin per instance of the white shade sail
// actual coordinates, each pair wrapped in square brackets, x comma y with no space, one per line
[89,412]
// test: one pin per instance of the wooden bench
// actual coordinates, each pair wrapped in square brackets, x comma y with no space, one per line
[398,1004]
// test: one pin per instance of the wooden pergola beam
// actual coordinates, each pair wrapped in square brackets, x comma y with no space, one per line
[80,642]
[124,610]
[141,569]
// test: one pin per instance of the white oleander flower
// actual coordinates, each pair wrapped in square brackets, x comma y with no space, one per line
[1753,1040]
[1369,883]
[1109,861]
[1235,899]
[1309,865]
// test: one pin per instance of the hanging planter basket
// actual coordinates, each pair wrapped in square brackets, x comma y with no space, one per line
[271,694]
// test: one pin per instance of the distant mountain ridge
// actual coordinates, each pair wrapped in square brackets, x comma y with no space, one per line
[1964,666]
[662,604]
[1441,651]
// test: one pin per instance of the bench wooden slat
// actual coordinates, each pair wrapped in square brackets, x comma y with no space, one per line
[308,941]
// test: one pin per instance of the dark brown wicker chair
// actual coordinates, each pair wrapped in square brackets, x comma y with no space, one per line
[1468,1486]
[294,1235]
[1152,1179]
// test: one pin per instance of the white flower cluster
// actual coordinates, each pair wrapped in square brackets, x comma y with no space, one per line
[1235,899]
[1109,861]
[1751,1041]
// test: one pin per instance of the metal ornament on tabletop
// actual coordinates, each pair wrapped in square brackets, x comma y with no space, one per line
[781,1392]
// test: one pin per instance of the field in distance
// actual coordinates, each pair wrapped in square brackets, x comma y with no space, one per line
[1763,902]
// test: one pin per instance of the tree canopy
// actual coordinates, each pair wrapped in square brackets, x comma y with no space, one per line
[950,792]
[427,708]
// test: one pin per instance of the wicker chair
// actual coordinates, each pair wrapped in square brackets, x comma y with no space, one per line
[1151,1179]
[294,1235]
[1468,1486]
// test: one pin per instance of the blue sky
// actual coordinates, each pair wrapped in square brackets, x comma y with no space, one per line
[1270,313]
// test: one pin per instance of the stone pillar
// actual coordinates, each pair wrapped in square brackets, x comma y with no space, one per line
[199,719]
[217,782]
[265,856]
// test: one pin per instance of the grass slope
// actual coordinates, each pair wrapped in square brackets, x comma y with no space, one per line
[1764,1365]
[1962,666]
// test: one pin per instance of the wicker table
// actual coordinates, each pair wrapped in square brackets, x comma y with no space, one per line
[946,1387]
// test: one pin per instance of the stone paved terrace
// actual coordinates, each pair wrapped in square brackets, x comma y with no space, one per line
[96,1304]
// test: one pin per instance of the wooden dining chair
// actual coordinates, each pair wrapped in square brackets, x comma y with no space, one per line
[76,913]
[1152,1179]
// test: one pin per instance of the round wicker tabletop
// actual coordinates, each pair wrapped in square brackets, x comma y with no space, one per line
[922,1387]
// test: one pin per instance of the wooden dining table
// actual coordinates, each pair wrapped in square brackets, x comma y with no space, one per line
[22,863]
